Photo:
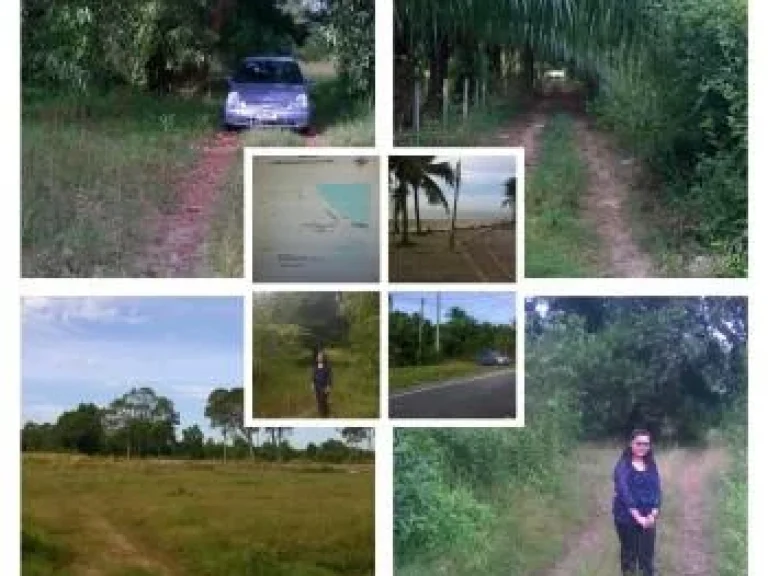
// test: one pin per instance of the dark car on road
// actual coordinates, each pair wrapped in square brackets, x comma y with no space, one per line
[492,358]
[268,91]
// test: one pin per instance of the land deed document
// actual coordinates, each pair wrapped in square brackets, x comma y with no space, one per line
[316,219]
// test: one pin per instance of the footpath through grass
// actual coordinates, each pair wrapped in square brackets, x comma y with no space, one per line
[283,387]
[404,377]
[84,516]
[92,168]
[557,242]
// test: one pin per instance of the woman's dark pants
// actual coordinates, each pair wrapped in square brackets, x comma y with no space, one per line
[321,394]
[637,548]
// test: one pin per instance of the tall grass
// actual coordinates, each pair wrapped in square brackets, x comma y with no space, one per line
[487,501]
[557,243]
[224,248]
[92,169]
[283,386]
[733,500]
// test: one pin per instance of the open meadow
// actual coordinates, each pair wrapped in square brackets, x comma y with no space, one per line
[88,516]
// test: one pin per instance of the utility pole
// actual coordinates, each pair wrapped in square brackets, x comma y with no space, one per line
[437,325]
[421,324]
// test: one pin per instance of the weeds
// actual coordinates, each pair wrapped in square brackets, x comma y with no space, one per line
[557,241]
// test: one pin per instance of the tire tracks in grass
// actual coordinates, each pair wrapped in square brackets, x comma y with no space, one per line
[685,545]
[605,204]
[177,238]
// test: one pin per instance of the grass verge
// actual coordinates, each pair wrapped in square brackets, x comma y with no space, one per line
[481,125]
[403,377]
[224,248]
[92,168]
[101,516]
[557,244]
[282,387]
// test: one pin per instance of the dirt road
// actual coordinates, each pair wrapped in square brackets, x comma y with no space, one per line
[684,540]
[610,179]
[178,237]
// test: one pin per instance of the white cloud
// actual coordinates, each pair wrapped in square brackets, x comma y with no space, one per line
[62,312]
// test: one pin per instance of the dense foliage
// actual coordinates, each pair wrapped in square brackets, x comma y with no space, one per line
[293,326]
[674,366]
[165,44]
[682,105]
[412,338]
[142,424]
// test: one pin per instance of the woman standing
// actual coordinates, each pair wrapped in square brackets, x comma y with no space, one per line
[636,504]
[321,382]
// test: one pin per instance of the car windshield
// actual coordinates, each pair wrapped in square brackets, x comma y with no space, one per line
[268,72]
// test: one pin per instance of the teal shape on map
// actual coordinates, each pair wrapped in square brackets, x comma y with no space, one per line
[351,201]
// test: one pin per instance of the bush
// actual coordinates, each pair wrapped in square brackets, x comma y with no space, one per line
[682,106]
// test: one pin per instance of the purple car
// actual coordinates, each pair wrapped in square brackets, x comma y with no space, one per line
[268,91]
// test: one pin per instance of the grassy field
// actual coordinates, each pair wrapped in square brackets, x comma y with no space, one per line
[87,516]
[92,169]
[557,242]
[283,388]
[401,377]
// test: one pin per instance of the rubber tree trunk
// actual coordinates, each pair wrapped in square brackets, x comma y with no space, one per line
[438,72]
[528,67]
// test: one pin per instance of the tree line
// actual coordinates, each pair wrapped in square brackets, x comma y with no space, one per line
[414,339]
[161,45]
[142,424]
[295,325]
[676,366]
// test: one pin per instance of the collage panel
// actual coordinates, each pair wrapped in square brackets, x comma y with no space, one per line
[633,458]
[134,118]
[315,218]
[135,457]
[634,118]
[452,218]
[315,355]
[452,355]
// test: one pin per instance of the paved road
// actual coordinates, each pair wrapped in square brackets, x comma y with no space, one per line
[487,396]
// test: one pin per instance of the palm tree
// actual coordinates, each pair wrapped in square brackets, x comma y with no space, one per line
[510,192]
[416,174]
[456,187]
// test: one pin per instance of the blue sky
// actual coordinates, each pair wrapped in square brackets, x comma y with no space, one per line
[482,186]
[494,307]
[94,349]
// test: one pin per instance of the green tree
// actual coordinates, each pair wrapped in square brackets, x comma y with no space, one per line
[81,429]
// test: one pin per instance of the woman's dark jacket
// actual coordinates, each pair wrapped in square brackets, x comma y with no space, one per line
[635,489]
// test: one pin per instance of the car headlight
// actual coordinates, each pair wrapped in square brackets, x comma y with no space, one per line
[302,101]
[233,101]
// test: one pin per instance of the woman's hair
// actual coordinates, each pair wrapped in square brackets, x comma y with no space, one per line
[626,454]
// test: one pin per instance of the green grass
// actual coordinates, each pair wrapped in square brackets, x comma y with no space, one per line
[118,518]
[732,508]
[282,387]
[482,124]
[529,527]
[224,249]
[92,169]
[402,377]
[557,242]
